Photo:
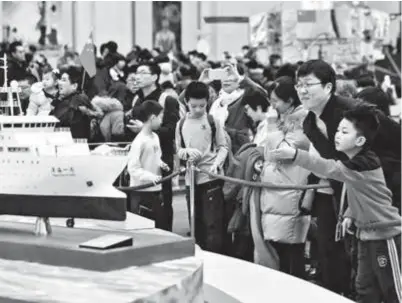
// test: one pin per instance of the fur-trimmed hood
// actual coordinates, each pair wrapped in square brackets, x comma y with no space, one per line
[106,104]
[292,120]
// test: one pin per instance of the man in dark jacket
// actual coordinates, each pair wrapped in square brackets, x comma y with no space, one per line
[146,77]
[72,107]
[315,86]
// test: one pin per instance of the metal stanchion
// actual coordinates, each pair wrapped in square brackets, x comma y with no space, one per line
[192,198]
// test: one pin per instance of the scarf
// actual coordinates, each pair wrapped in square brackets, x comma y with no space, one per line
[219,108]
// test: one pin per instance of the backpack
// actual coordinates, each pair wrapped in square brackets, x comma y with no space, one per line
[211,122]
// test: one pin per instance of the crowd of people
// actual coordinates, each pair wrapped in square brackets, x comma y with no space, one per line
[285,124]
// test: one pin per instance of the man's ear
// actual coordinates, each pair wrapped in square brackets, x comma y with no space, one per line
[328,87]
[360,141]
[75,86]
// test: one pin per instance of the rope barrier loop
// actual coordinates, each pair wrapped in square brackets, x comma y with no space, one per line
[151,184]
[262,184]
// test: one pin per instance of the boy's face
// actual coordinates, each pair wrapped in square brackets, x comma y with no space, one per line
[347,137]
[48,80]
[65,86]
[156,121]
[197,107]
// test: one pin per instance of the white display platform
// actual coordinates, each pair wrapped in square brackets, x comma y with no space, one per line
[229,280]
[133,222]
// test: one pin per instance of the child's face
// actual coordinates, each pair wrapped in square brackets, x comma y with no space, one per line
[156,121]
[48,80]
[347,137]
[197,107]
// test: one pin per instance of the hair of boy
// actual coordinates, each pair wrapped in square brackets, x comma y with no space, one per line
[74,74]
[364,118]
[376,96]
[149,108]
[154,69]
[284,88]
[256,99]
[197,90]
[320,69]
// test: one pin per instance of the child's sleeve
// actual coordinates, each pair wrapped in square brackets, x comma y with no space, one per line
[221,144]
[134,166]
[329,168]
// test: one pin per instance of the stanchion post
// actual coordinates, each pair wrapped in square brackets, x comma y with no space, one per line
[192,198]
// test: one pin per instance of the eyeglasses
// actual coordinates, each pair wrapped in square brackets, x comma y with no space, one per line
[299,86]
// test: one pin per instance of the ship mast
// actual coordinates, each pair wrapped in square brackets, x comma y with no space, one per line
[14,88]
[4,67]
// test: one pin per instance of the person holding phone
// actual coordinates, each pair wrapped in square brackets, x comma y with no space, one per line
[228,108]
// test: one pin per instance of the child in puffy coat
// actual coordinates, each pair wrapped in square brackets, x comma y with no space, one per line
[111,122]
[42,94]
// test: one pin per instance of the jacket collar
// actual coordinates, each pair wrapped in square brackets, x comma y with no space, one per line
[329,109]
[365,160]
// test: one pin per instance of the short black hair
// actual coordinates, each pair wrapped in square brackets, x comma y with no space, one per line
[74,74]
[273,58]
[365,80]
[188,70]
[378,97]
[287,69]
[149,108]
[166,85]
[202,56]
[321,69]
[364,117]
[255,99]
[13,46]
[197,90]
[112,46]
[284,88]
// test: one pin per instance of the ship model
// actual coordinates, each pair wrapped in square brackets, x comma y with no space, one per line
[45,172]
[11,103]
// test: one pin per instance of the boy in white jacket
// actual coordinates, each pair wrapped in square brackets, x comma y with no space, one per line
[145,165]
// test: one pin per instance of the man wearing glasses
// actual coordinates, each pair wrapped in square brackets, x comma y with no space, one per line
[142,81]
[316,84]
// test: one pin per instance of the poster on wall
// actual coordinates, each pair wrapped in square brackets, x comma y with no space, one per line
[35,22]
[167,25]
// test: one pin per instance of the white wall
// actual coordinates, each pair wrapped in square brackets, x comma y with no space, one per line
[189,25]
[143,24]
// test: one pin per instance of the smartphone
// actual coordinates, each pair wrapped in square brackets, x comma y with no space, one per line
[217,74]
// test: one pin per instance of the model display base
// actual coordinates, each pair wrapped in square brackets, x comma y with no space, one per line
[62,247]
